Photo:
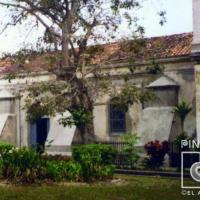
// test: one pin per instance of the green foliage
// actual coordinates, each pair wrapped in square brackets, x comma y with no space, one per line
[175,156]
[21,165]
[129,94]
[10,76]
[56,157]
[182,109]
[27,166]
[97,153]
[134,47]
[163,19]
[95,160]
[62,170]
[5,148]
[45,98]
[79,117]
[53,171]
[146,95]
[73,171]
[92,52]
[130,148]
[155,68]
[179,139]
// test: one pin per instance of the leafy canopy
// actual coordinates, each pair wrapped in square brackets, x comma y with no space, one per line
[182,109]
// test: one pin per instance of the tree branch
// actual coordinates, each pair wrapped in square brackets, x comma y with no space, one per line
[31,11]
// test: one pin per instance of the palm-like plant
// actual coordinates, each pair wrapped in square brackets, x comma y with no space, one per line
[182,110]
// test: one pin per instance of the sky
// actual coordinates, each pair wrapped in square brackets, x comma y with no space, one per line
[179,20]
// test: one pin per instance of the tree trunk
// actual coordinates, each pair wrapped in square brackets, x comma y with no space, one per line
[65,47]
[86,133]
[182,126]
[84,100]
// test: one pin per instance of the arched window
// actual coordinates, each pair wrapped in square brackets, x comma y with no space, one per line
[117,120]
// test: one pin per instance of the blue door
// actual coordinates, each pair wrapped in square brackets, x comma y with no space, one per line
[39,133]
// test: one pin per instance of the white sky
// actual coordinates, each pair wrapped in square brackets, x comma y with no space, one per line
[179,20]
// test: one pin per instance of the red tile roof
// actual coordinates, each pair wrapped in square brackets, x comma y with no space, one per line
[155,47]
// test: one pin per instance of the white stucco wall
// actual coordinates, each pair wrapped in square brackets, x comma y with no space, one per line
[182,72]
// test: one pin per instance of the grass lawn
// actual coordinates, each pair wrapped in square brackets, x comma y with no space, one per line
[128,188]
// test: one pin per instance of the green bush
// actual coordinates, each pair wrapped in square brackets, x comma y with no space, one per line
[95,160]
[5,148]
[22,165]
[56,157]
[52,171]
[61,170]
[73,171]
[97,153]
[27,166]
[130,148]
[105,172]
[175,156]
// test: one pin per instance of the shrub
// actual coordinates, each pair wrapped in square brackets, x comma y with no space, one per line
[22,165]
[178,142]
[95,160]
[92,162]
[5,148]
[156,152]
[130,149]
[61,170]
[105,172]
[98,153]
[73,171]
[175,156]
[56,158]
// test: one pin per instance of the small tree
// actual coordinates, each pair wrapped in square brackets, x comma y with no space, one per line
[182,110]
[130,148]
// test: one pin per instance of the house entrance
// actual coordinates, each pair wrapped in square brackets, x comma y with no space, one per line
[39,133]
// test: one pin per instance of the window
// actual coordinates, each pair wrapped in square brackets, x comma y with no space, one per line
[117,120]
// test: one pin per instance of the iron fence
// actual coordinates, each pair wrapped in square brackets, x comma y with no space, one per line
[122,158]
[117,145]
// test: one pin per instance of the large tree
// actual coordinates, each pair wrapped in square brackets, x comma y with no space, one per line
[70,26]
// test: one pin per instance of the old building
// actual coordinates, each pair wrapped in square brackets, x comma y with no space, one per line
[180,80]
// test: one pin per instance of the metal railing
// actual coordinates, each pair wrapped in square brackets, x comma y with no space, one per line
[122,158]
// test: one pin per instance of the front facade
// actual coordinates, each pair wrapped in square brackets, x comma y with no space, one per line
[179,81]
[153,120]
